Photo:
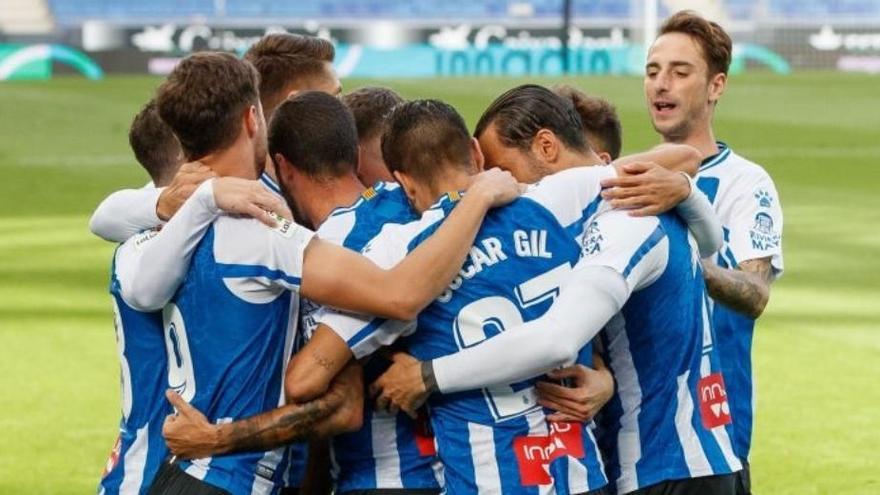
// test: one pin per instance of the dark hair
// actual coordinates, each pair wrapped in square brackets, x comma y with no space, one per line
[599,118]
[316,134]
[714,42]
[154,145]
[281,58]
[371,107]
[423,135]
[521,112]
[203,100]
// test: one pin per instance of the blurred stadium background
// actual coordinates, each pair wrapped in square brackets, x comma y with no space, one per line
[803,100]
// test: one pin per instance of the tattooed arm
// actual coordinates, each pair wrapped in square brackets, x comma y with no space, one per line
[189,434]
[745,289]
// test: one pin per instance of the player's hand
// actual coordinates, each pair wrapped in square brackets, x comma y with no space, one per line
[249,198]
[184,183]
[646,188]
[591,390]
[188,433]
[401,387]
[348,389]
[496,185]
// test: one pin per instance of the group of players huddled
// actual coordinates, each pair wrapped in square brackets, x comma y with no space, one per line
[355,294]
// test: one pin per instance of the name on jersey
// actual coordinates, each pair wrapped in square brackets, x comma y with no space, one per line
[490,251]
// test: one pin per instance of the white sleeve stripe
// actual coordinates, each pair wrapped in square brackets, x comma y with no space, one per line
[228,270]
[644,249]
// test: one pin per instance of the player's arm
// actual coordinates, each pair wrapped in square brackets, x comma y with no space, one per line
[129,211]
[338,277]
[162,264]
[630,256]
[745,289]
[755,239]
[190,435]
[313,368]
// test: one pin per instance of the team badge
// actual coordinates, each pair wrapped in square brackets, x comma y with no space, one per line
[714,408]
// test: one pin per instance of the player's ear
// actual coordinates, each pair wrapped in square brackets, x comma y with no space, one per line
[545,146]
[252,120]
[477,154]
[406,183]
[716,87]
[605,157]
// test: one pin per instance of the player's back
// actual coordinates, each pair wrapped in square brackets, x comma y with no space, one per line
[496,440]
[140,448]
[388,452]
[230,331]
[669,418]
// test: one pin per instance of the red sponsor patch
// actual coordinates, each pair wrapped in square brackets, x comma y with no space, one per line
[535,453]
[714,408]
[114,457]
[424,435]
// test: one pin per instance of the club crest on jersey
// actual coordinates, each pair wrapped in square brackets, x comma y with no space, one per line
[763,233]
[592,240]
[714,408]
[765,200]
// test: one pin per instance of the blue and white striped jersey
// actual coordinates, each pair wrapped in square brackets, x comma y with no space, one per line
[386,453]
[229,331]
[140,448]
[669,418]
[497,440]
[746,201]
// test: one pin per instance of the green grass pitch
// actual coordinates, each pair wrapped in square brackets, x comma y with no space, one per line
[63,146]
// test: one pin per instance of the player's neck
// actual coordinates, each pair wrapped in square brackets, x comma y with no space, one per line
[702,138]
[234,161]
[270,168]
[570,159]
[452,180]
[326,196]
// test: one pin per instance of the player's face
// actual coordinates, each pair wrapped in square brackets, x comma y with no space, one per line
[677,86]
[524,165]
[371,165]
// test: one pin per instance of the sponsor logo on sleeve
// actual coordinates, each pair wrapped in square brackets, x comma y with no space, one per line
[592,241]
[283,226]
[763,233]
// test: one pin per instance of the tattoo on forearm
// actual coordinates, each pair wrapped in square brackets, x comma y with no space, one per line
[278,427]
[745,290]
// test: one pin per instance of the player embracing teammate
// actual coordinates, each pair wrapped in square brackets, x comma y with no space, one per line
[606,277]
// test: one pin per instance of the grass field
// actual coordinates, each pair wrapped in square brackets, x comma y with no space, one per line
[63,147]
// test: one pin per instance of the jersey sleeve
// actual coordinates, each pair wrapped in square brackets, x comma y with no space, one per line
[365,334]
[125,213]
[635,247]
[162,264]
[572,195]
[755,224]
[255,260]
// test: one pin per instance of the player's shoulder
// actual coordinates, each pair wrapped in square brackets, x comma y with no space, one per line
[337,227]
[240,239]
[731,164]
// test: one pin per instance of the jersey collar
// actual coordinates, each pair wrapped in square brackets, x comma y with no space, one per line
[717,158]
